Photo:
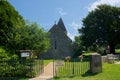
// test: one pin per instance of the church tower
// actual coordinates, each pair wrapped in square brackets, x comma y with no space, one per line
[61,44]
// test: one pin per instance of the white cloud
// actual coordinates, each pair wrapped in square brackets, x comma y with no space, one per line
[75,25]
[71,36]
[61,11]
[99,2]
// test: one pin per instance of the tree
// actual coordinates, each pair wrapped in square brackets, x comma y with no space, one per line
[102,26]
[29,37]
[33,38]
[78,48]
[17,35]
[10,21]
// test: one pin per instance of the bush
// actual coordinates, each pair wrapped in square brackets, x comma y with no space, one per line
[101,50]
[11,66]
[31,74]
[5,55]
[15,68]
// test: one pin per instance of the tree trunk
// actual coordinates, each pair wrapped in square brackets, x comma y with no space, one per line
[112,48]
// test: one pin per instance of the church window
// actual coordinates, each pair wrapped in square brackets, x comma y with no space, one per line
[55,45]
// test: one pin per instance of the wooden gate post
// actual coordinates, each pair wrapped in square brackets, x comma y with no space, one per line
[73,68]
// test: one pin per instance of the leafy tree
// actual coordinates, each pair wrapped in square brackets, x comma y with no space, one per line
[10,21]
[33,38]
[16,35]
[29,37]
[102,26]
[78,48]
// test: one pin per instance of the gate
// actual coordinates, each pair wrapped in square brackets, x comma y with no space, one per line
[72,67]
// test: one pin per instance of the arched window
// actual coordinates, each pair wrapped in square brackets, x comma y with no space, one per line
[55,43]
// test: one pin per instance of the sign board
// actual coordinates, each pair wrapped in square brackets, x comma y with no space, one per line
[25,54]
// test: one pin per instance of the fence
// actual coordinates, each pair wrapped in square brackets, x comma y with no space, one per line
[72,68]
[19,68]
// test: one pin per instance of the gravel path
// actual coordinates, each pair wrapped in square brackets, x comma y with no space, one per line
[47,74]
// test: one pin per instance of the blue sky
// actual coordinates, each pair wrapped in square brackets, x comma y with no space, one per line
[46,12]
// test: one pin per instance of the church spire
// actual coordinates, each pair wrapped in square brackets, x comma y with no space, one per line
[61,25]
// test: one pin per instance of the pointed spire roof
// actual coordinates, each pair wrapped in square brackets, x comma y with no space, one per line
[53,27]
[61,25]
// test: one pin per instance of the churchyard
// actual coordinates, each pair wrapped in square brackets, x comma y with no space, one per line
[109,72]
[28,52]
[81,71]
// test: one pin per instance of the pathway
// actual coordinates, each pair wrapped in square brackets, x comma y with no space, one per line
[47,74]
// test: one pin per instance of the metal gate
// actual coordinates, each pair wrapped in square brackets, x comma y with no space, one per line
[73,67]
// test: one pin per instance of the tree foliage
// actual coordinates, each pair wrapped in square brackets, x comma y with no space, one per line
[78,48]
[32,37]
[9,21]
[101,26]
[17,35]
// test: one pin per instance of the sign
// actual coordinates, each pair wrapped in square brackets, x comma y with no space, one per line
[25,54]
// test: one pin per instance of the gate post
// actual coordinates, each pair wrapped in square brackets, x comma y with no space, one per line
[73,68]
[95,63]
[53,68]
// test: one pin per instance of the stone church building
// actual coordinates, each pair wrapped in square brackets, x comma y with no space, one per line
[61,44]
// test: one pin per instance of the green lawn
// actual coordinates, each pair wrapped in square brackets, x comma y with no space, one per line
[73,68]
[117,51]
[23,79]
[110,72]
[46,62]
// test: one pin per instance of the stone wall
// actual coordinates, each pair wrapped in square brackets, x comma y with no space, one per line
[61,44]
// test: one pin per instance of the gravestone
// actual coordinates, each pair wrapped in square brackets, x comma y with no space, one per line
[110,58]
[95,63]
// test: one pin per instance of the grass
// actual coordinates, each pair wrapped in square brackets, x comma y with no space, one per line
[46,62]
[14,78]
[109,72]
[23,79]
[73,68]
[117,51]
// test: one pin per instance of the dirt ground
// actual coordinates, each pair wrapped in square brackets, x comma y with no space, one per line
[47,73]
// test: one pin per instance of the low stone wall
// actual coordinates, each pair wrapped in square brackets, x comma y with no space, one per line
[117,56]
[106,58]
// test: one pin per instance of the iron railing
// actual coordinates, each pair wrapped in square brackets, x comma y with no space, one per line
[73,67]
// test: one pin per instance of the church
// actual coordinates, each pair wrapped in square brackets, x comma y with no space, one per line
[60,43]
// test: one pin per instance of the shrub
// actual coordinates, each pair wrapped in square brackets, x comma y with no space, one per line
[31,74]
[11,66]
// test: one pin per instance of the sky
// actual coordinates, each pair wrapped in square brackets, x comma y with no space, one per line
[47,12]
